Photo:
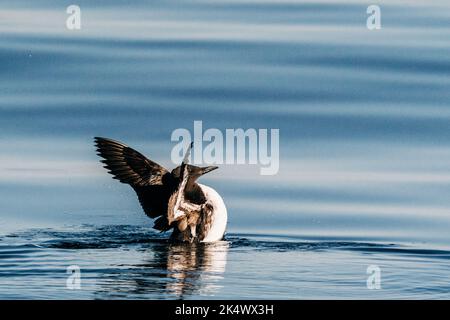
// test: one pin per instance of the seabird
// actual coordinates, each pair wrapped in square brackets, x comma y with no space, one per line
[194,211]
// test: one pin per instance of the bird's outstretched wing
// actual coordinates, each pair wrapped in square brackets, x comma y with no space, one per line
[152,182]
[127,165]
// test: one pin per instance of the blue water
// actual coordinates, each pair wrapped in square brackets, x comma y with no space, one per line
[364,122]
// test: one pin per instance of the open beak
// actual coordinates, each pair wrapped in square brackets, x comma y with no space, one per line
[208,169]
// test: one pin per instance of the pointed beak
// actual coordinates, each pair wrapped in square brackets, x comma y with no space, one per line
[208,169]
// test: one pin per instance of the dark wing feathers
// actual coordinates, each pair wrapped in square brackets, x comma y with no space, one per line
[154,199]
[127,165]
[152,183]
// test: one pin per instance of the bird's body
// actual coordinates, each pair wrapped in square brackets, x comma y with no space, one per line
[219,219]
[195,212]
[207,221]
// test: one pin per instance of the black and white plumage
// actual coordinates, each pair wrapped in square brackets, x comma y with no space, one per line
[195,212]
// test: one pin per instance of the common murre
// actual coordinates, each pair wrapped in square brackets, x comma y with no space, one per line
[195,212]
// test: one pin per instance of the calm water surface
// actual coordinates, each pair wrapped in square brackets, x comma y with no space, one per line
[364,121]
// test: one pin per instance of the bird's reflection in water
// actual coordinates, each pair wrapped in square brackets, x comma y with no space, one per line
[168,271]
[196,268]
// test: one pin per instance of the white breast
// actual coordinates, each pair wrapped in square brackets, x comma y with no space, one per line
[220,216]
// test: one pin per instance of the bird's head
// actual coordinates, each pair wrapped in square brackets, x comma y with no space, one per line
[194,172]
